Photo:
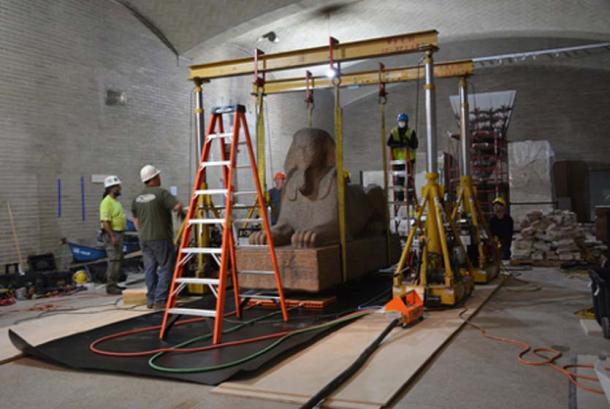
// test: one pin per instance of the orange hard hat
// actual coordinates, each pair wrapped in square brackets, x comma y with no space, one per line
[279,175]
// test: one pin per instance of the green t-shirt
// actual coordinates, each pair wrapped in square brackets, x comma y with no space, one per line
[153,209]
[112,211]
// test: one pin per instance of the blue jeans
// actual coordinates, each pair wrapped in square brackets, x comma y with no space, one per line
[159,260]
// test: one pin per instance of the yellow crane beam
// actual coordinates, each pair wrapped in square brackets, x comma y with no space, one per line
[377,47]
[449,69]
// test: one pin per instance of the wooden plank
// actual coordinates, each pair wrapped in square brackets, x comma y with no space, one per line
[591,328]
[396,363]
[357,50]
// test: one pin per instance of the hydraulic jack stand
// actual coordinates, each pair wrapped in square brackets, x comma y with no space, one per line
[483,249]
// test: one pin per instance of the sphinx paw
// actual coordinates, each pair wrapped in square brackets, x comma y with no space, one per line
[304,239]
[258,238]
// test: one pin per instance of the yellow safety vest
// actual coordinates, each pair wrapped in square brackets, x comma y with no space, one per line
[399,153]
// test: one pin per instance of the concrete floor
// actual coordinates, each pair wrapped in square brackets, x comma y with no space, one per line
[471,372]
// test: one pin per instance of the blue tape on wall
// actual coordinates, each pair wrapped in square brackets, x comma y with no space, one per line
[58,197]
[82,199]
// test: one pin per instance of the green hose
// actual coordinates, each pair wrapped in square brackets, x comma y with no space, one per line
[230,364]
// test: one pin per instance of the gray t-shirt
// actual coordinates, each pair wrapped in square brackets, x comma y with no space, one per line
[153,208]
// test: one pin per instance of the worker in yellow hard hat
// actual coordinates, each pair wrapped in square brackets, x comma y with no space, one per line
[347,178]
[275,195]
[501,226]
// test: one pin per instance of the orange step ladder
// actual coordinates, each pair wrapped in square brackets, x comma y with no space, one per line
[227,260]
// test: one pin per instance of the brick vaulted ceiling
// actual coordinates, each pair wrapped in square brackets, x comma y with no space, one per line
[193,25]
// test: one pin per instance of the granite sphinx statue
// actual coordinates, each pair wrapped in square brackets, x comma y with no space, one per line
[309,205]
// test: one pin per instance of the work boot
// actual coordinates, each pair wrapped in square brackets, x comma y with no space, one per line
[121,287]
[113,290]
[159,306]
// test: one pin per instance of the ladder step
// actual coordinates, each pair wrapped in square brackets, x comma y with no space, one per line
[211,192]
[206,221]
[220,135]
[399,188]
[245,192]
[399,173]
[195,280]
[398,162]
[227,109]
[202,250]
[256,272]
[192,311]
[215,163]
[235,206]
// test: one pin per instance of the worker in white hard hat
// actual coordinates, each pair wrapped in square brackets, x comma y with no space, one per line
[114,223]
[152,212]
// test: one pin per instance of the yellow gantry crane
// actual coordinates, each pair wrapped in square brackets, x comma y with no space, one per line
[443,272]
[334,54]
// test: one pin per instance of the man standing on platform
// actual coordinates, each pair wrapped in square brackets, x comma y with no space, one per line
[403,144]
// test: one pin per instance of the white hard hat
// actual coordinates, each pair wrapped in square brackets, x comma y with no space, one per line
[111,181]
[148,172]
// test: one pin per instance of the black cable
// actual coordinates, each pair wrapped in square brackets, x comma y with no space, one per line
[349,372]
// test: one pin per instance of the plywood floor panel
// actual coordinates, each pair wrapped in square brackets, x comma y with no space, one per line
[403,353]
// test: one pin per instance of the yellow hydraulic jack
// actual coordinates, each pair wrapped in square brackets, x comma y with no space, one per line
[483,250]
[443,276]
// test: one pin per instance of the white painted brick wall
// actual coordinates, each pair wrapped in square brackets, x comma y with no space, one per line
[57,58]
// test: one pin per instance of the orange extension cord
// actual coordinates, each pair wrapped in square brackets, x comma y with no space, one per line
[548,356]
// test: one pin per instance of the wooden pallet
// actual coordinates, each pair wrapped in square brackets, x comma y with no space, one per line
[537,263]
[306,302]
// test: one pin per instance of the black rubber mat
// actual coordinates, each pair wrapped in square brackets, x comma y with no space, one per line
[73,351]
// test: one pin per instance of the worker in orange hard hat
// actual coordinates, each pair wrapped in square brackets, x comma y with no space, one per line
[501,226]
[275,195]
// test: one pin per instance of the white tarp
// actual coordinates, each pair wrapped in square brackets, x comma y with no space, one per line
[530,165]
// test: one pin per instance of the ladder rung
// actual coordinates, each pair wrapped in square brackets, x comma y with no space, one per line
[248,220]
[195,280]
[206,221]
[243,167]
[245,192]
[256,272]
[260,297]
[211,192]
[202,250]
[215,163]
[399,173]
[192,311]
[399,188]
[235,206]
[220,135]
[398,162]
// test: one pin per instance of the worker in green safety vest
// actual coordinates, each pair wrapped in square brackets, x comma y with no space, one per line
[403,140]
[403,143]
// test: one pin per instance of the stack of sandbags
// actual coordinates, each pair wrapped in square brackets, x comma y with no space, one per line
[552,236]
